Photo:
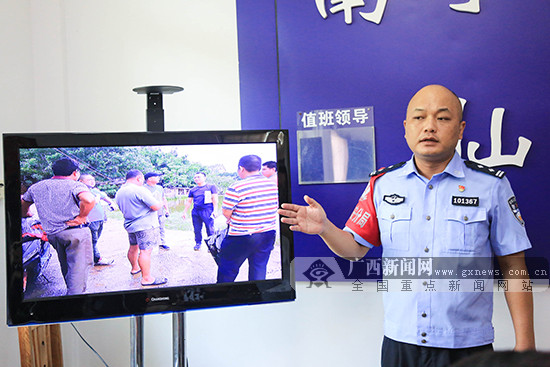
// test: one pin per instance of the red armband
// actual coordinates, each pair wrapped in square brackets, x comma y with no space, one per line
[363,220]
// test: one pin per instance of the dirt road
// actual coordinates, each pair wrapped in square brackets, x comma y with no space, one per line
[181,265]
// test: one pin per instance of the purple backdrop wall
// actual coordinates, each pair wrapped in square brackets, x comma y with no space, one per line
[494,59]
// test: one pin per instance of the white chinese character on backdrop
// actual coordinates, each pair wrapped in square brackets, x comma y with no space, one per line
[360,115]
[375,16]
[326,118]
[309,120]
[497,158]
[339,5]
[343,117]
[471,6]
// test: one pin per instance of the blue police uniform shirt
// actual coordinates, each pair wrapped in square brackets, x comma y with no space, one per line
[460,212]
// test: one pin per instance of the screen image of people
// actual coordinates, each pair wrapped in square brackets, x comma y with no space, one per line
[125,218]
[250,206]
[204,198]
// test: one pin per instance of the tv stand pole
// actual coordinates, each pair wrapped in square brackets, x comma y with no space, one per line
[155,122]
[178,339]
[136,341]
[155,113]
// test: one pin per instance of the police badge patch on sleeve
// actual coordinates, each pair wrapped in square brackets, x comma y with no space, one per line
[515,209]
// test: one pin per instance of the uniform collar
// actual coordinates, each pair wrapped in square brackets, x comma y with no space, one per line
[454,168]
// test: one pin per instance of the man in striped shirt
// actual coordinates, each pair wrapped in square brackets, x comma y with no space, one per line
[250,206]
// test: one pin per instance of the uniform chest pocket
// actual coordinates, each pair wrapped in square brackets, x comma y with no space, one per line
[467,229]
[394,222]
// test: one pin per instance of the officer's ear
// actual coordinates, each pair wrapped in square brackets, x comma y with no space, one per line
[462,127]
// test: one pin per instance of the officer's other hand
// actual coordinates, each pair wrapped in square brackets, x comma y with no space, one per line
[310,219]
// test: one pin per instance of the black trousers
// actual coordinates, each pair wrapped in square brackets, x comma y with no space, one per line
[397,354]
[236,249]
[200,216]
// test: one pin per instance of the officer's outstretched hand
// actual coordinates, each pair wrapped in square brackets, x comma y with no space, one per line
[310,219]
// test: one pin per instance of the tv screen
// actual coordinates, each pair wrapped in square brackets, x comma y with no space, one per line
[118,224]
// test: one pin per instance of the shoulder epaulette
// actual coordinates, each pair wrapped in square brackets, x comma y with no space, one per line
[387,169]
[485,169]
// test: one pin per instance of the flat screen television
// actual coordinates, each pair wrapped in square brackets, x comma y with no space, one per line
[36,288]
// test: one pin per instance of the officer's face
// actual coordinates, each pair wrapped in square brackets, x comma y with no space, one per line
[433,125]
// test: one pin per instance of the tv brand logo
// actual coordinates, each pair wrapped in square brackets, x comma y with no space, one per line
[157,299]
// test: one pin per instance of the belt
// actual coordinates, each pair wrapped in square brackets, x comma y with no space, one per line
[79,226]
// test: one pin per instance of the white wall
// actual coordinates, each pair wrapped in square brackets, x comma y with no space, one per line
[323,327]
[86,57]
[17,109]
[71,66]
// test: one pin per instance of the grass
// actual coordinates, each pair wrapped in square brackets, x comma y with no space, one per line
[174,221]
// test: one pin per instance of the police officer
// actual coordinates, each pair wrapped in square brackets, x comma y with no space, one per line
[435,205]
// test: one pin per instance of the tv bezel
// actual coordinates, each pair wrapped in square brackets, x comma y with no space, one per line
[143,301]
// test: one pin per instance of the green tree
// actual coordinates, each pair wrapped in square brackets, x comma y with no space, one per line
[109,166]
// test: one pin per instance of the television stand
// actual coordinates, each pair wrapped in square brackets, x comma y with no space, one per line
[179,355]
[155,122]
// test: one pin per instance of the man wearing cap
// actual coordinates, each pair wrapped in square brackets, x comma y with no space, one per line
[63,204]
[138,206]
[151,183]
